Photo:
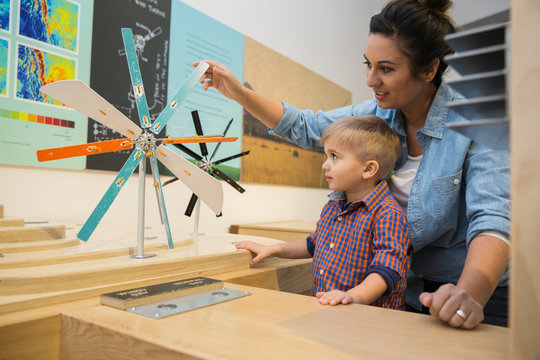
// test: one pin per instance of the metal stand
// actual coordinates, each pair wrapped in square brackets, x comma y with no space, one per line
[140,231]
[196,233]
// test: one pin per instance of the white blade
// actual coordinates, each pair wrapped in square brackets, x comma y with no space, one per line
[206,187]
[78,96]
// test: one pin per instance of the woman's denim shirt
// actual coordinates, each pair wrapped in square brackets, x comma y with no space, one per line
[461,187]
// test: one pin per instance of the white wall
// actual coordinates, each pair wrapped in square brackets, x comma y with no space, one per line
[326,36]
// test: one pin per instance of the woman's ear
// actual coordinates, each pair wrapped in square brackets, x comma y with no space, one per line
[432,70]
[371,168]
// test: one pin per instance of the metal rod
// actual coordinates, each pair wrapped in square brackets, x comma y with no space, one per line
[196,219]
[140,230]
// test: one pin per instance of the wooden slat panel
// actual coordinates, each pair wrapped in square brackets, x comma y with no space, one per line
[32,233]
[11,222]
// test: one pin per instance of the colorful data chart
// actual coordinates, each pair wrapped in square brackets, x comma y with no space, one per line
[54,22]
[16,115]
[5,8]
[4,50]
[36,68]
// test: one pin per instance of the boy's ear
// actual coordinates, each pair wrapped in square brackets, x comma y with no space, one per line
[371,168]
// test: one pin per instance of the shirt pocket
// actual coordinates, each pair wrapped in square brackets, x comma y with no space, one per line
[446,198]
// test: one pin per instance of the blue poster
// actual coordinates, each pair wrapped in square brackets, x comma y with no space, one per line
[48,41]
[199,37]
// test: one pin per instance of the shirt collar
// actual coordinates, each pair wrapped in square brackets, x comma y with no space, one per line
[436,117]
[437,114]
[372,199]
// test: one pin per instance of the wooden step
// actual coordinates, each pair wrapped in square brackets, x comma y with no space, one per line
[28,254]
[25,247]
[1,211]
[11,222]
[32,233]
[88,273]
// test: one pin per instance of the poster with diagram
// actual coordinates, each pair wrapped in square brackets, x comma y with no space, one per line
[149,20]
[42,42]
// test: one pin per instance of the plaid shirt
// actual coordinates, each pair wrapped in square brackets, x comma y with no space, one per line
[348,243]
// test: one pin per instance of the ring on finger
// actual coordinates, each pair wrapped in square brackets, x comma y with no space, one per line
[461,314]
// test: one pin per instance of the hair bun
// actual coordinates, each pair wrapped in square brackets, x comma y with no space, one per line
[440,7]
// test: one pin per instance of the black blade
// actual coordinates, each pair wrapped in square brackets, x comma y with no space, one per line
[219,144]
[231,157]
[191,205]
[169,181]
[198,130]
[189,152]
[229,181]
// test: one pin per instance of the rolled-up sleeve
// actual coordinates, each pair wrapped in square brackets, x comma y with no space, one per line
[488,191]
[305,128]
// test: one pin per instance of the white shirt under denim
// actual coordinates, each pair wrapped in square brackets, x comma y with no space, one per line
[461,188]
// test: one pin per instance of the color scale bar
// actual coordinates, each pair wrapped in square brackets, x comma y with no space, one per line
[16,115]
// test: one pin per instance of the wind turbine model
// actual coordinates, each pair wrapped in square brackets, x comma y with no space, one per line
[79,96]
[207,164]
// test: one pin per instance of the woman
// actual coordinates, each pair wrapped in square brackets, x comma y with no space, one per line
[455,191]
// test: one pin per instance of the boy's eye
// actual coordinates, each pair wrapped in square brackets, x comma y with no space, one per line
[333,156]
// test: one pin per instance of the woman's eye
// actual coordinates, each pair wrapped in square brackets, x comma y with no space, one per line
[367,63]
[386,69]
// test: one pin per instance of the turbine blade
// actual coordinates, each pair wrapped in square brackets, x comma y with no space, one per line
[231,157]
[161,199]
[186,87]
[170,181]
[199,139]
[198,131]
[188,151]
[101,147]
[227,179]
[191,204]
[224,133]
[107,199]
[78,96]
[207,188]
[136,78]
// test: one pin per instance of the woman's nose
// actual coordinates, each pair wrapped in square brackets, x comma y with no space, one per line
[371,78]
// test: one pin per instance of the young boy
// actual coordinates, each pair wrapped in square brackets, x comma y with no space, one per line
[360,247]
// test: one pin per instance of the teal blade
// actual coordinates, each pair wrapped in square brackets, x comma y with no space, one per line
[161,199]
[107,199]
[136,79]
[185,89]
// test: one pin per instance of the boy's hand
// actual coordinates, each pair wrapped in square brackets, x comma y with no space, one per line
[334,297]
[261,251]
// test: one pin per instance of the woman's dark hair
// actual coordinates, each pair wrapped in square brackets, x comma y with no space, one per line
[421,27]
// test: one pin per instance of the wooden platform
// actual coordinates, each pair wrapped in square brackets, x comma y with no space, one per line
[274,325]
[285,230]
[41,278]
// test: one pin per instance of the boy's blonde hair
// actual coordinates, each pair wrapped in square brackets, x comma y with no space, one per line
[370,137]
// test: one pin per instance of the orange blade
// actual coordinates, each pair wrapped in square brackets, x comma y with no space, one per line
[200,139]
[84,149]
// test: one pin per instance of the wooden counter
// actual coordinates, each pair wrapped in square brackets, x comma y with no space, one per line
[273,325]
[285,230]
[39,279]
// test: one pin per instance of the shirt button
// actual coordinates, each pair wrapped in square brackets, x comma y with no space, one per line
[456,181]
[331,245]
[321,271]
[339,218]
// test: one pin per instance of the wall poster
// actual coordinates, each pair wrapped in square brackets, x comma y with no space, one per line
[40,42]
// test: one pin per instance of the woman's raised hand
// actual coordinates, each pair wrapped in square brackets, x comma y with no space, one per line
[221,79]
